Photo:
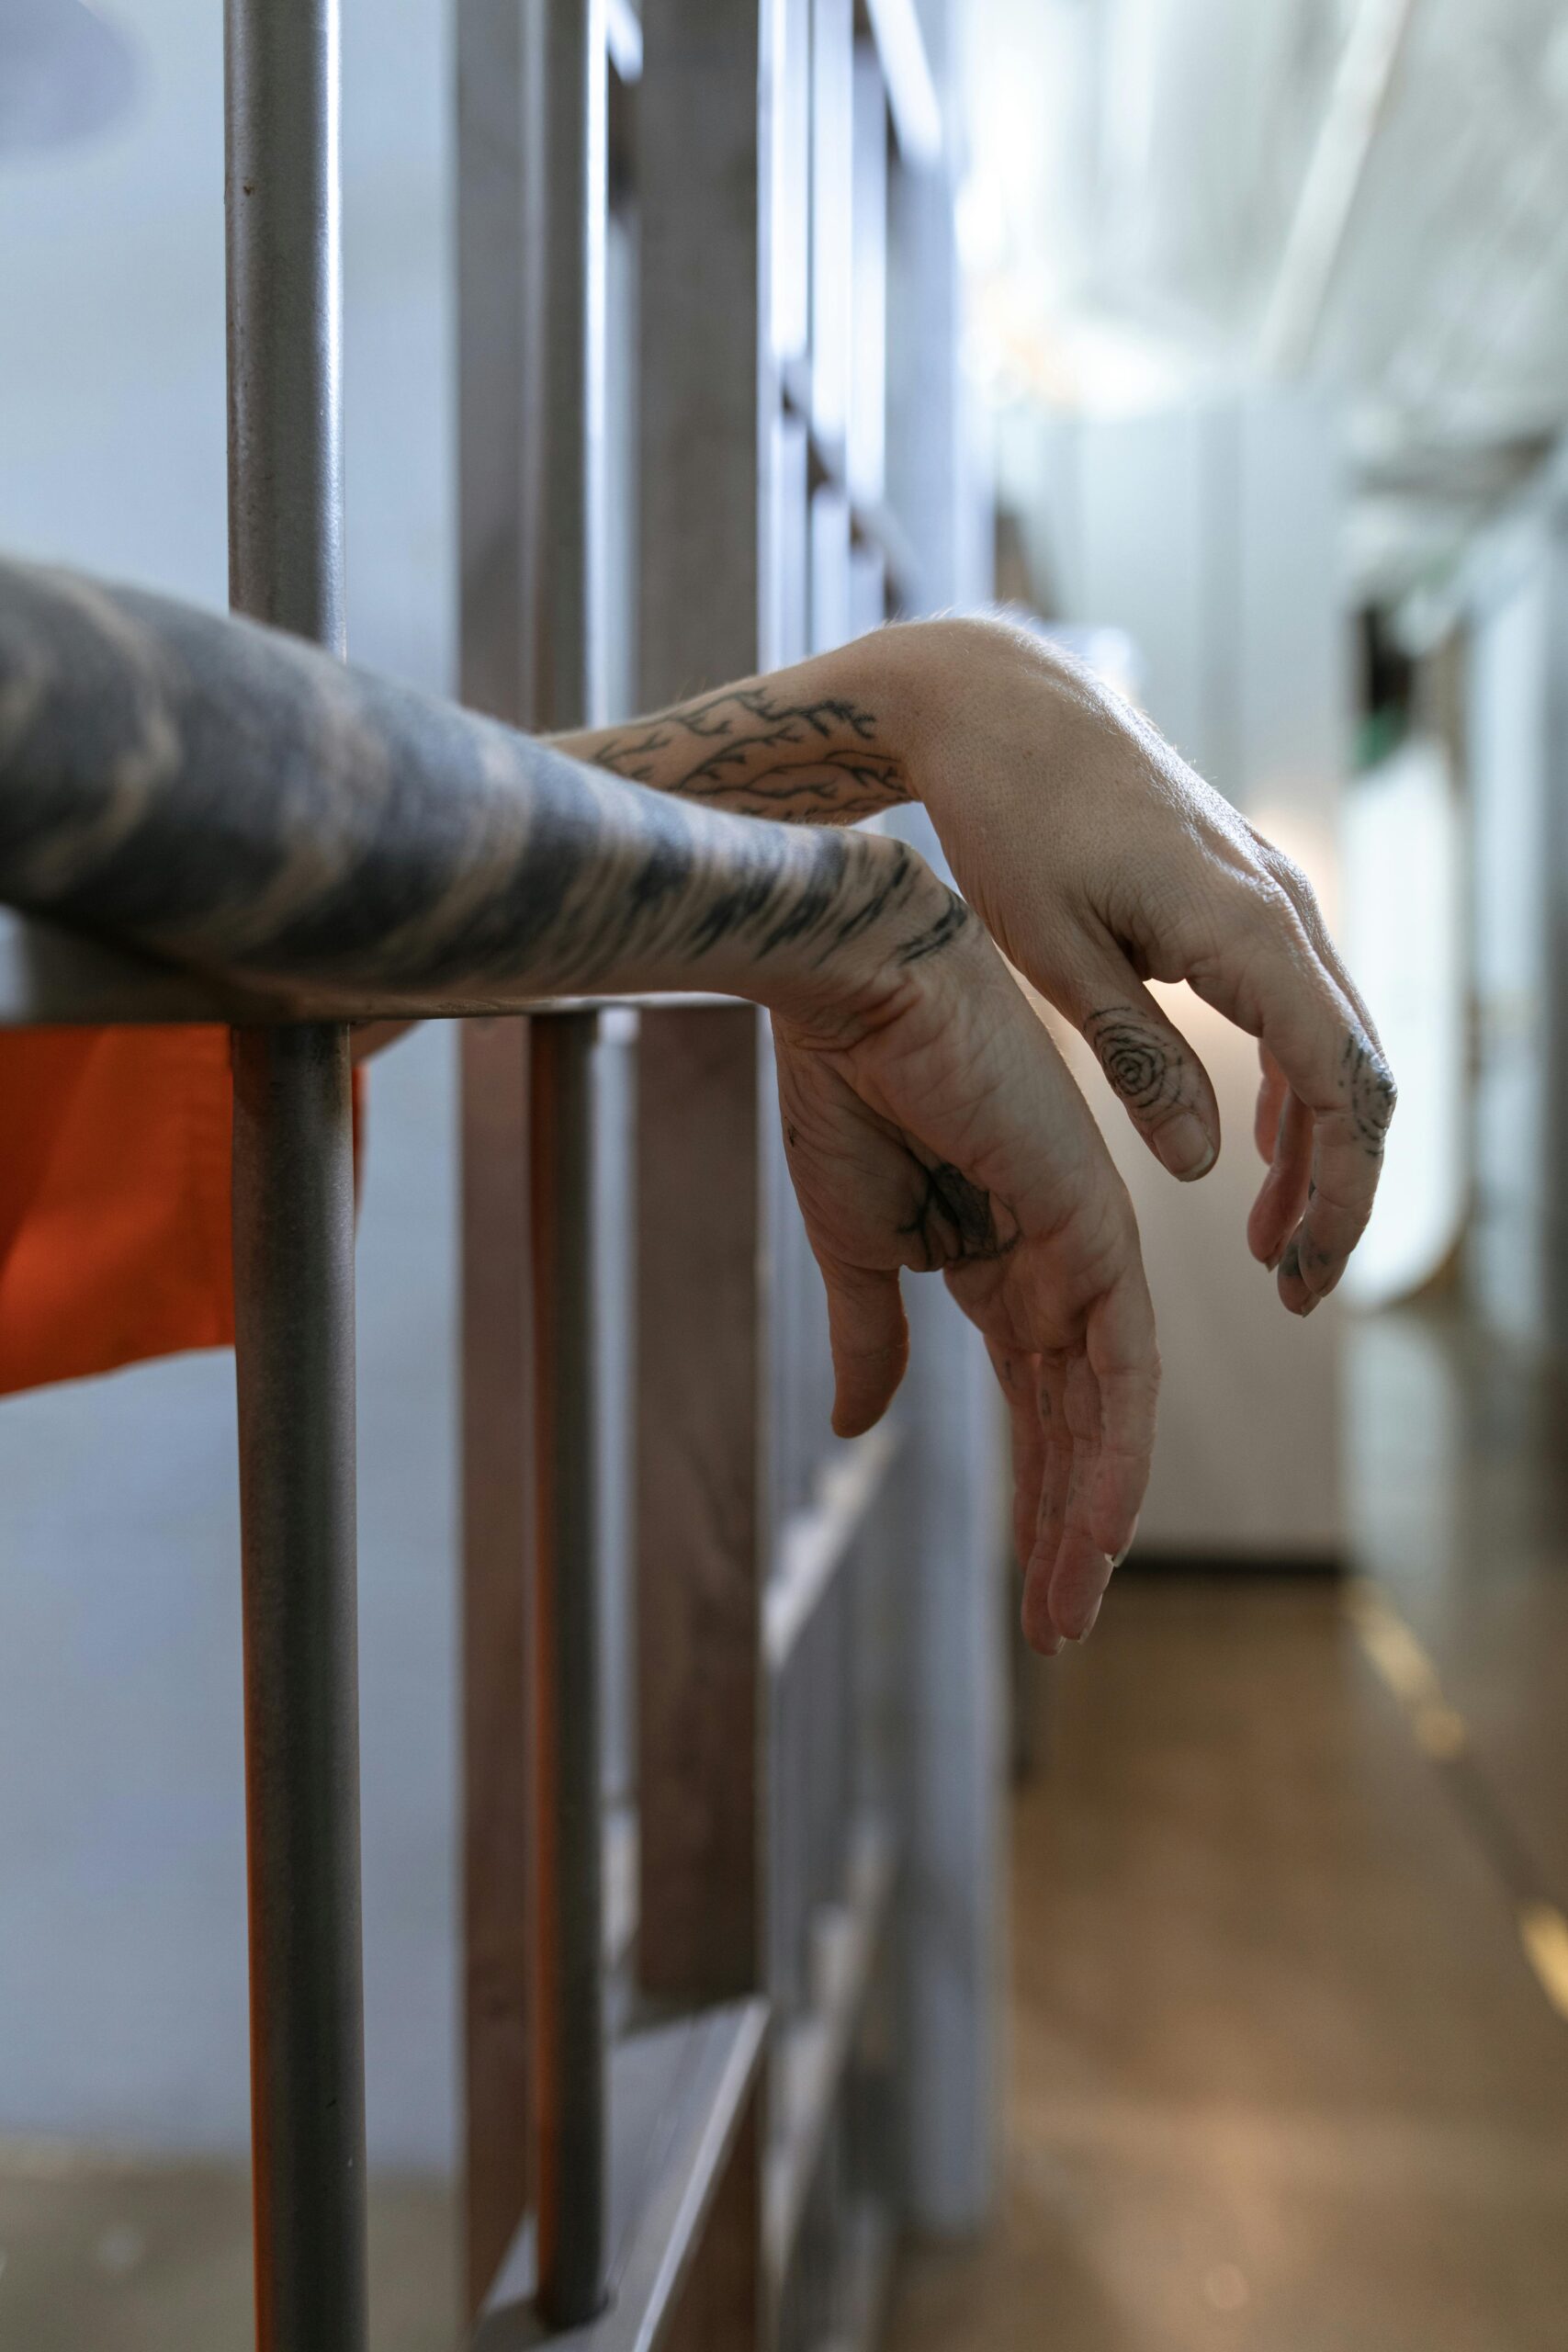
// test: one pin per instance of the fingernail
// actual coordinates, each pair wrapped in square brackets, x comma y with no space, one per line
[1089,1623]
[1312,1306]
[1183,1147]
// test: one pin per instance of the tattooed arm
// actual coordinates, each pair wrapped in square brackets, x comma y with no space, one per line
[229,797]
[1098,861]
[801,745]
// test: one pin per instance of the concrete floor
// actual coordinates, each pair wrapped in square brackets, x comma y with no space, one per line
[100,2256]
[1281,2076]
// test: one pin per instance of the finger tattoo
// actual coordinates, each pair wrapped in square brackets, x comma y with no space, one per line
[956,1221]
[1370,1090]
[1136,1058]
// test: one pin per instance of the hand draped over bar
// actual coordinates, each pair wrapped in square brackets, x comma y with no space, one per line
[1098,861]
[227,797]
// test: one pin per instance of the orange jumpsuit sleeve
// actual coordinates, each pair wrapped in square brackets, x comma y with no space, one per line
[114,1198]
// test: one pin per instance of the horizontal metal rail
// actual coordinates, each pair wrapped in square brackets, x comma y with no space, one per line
[872,523]
[912,100]
[812,2054]
[816,1542]
[678,2095]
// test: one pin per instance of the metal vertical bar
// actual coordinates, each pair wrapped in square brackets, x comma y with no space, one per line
[294,1244]
[566,120]
[533,196]
[568,116]
[294,1330]
[281,192]
[572,2187]
[500,363]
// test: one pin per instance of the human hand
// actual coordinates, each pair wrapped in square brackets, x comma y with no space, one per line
[933,1125]
[1098,860]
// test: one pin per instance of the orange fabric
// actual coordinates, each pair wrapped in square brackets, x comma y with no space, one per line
[114,1198]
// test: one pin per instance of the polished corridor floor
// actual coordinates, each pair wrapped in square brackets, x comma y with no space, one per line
[1283,2076]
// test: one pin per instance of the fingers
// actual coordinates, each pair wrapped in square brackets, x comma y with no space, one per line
[1040,1626]
[1018,1376]
[1280,1205]
[870,1340]
[1271,1094]
[1271,982]
[1162,1085]
[1111,1392]
[1303,897]
[1083,1422]
[1080,1570]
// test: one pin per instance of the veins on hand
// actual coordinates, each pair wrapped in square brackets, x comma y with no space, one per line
[799,762]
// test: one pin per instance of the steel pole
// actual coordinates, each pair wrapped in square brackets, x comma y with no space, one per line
[572,2187]
[294,1331]
[566,119]
[294,1244]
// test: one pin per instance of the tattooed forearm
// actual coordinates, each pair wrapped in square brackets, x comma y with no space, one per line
[232,798]
[762,750]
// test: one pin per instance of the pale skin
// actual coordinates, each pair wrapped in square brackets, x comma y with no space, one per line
[222,795]
[1098,860]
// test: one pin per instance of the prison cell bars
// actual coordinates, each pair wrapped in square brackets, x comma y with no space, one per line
[644,2194]
[762,511]
[751,1733]
[293,1241]
[590,2177]
[765,1845]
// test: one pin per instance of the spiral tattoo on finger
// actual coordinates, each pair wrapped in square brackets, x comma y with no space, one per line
[1136,1058]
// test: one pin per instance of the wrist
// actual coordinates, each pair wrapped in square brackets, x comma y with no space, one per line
[892,919]
[953,691]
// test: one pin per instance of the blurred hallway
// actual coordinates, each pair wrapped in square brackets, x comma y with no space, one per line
[1281,2076]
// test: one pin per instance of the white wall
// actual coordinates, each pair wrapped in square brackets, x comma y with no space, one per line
[1509,782]
[1211,537]
[1403,935]
[122,1991]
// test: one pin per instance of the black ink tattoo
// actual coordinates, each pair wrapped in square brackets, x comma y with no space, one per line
[231,799]
[955,1221]
[955,918]
[1135,1056]
[1369,1092]
[812,762]
[1305,1260]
